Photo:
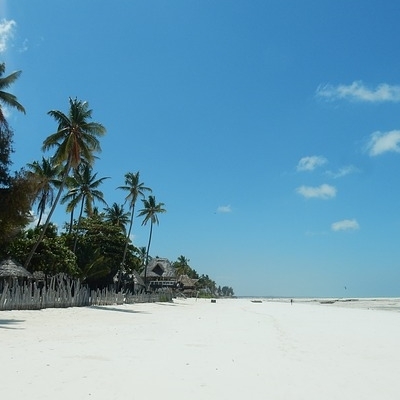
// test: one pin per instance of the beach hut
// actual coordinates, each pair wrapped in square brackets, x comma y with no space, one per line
[187,285]
[10,269]
[11,272]
[160,273]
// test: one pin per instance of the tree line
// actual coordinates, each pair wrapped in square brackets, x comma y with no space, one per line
[94,245]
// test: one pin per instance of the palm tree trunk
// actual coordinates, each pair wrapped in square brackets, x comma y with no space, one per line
[127,237]
[78,224]
[32,252]
[147,256]
[40,218]
[71,221]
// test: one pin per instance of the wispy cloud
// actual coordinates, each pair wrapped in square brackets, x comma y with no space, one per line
[324,192]
[357,91]
[347,170]
[345,225]
[310,163]
[382,142]
[224,209]
[6,33]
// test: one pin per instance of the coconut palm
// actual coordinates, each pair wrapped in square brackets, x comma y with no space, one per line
[76,139]
[83,191]
[6,133]
[182,266]
[135,188]
[8,99]
[149,212]
[46,178]
[117,216]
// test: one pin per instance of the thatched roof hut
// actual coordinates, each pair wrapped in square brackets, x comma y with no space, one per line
[11,269]
[187,282]
[160,269]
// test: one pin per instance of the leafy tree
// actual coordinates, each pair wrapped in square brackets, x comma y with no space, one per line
[15,205]
[150,213]
[76,139]
[207,284]
[135,188]
[102,243]
[6,135]
[45,175]
[52,255]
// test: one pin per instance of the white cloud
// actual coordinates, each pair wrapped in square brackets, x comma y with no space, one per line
[359,92]
[6,33]
[345,225]
[347,170]
[382,142]
[320,192]
[310,163]
[224,209]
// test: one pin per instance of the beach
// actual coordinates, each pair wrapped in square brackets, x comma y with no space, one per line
[197,349]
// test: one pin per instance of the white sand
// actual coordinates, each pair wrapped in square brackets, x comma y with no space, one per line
[233,349]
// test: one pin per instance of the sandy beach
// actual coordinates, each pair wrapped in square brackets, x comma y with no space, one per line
[231,349]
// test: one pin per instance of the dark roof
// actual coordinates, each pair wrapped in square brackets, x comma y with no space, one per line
[187,281]
[11,269]
[159,268]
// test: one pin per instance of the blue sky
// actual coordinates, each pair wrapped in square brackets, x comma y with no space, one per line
[270,129]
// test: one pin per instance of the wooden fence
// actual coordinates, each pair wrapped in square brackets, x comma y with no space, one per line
[64,292]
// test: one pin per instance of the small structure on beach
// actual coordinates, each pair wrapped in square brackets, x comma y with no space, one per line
[160,274]
[12,273]
[187,285]
[10,269]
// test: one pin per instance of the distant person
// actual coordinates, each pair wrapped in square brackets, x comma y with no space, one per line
[291,301]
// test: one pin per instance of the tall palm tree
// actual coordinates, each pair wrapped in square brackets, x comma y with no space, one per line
[6,133]
[117,216]
[45,175]
[76,139]
[84,192]
[149,212]
[135,188]
[70,183]
[8,99]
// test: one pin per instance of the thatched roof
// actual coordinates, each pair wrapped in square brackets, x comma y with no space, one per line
[186,281]
[159,268]
[11,269]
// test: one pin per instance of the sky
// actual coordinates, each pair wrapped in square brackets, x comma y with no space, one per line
[269,129]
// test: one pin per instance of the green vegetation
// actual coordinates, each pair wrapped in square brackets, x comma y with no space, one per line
[96,246]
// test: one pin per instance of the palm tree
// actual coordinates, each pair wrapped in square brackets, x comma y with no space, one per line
[76,139]
[8,99]
[135,188]
[84,192]
[45,176]
[142,256]
[182,266]
[117,216]
[149,212]
[6,133]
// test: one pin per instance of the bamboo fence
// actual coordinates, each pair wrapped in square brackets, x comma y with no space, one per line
[62,292]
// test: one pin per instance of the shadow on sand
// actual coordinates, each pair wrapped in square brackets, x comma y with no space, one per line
[106,308]
[5,322]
